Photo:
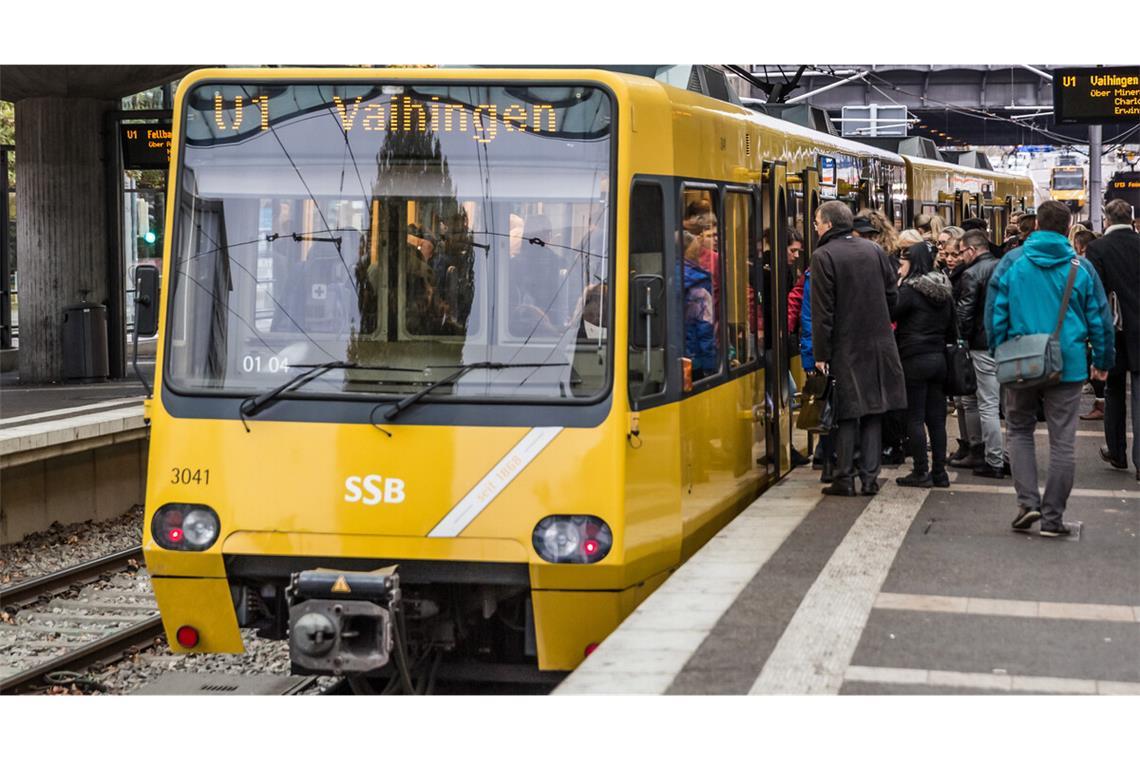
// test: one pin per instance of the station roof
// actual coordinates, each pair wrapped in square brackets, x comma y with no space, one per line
[104,82]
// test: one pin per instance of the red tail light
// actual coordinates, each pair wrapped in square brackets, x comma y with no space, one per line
[591,647]
[187,637]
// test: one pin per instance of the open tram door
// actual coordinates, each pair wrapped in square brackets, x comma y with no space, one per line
[964,207]
[773,292]
[803,200]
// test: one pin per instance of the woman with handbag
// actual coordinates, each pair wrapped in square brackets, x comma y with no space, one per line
[925,317]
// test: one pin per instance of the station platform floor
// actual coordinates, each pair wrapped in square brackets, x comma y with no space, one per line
[24,403]
[913,591]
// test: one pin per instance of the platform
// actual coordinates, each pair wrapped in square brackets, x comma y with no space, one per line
[69,453]
[911,592]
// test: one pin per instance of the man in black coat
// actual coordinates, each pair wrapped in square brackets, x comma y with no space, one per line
[1116,257]
[853,290]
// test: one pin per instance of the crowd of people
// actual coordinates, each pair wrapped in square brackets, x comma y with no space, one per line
[890,315]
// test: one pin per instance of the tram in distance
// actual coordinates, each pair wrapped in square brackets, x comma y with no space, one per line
[1067,185]
[442,320]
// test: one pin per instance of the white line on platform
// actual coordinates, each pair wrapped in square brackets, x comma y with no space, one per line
[812,655]
[1080,433]
[652,645]
[1113,613]
[988,681]
[73,410]
[1093,493]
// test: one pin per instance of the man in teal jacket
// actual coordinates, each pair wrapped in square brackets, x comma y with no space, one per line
[1024,298]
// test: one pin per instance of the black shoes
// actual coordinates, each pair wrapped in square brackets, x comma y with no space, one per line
[828,473]
[1119,464]
[917,480]
[870,489]
[940,479]
[838,489]
[1025,519]
[975,458]
[989,471]
[962,452]
[1059,530]
[798,459]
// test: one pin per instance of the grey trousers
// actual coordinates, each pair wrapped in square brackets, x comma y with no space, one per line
[1062,407]
[988,396]
[1115,428]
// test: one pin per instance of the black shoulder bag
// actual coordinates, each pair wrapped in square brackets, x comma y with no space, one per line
[960,377]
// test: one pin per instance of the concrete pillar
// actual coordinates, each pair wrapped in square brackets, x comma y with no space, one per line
[61,222]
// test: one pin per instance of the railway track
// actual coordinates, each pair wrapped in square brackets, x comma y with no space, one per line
[61,623]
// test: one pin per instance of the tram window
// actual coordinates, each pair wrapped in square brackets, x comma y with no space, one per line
[647,266]
[701,283]
[740,296]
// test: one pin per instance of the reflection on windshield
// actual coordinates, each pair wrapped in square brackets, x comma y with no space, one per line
[307,238]
[1068,181]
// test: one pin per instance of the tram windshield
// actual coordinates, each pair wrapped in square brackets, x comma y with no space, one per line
[407,226]
[1068,181]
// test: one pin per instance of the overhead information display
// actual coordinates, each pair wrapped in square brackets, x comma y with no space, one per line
[145,146]
[1097,96]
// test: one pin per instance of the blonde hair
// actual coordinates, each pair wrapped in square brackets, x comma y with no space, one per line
[955,233]
[888,236]
[1073,233]
[934,221]
[907,238]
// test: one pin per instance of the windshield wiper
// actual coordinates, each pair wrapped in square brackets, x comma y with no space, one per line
[255,404]
[309,236]
[454,377]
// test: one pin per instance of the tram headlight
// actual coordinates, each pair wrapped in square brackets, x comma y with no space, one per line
[577,539]
[185,527]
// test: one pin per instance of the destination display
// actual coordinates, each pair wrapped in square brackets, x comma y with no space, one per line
[1096,96]
[483,122]
[145,146]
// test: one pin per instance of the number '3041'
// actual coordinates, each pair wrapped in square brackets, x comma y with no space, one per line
[184,476]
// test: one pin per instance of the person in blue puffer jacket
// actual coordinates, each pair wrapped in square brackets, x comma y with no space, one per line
[1024,298]
[700,315]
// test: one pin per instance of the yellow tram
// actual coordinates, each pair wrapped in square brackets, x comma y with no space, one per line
[448,321]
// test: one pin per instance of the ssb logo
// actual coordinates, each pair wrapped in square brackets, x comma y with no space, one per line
[373,489]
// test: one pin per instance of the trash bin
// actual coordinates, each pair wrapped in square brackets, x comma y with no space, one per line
[85,342]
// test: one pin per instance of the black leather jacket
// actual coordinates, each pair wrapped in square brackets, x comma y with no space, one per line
[971,307]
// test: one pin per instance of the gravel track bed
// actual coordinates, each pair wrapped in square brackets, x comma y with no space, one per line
[261,657]
[43,630]
[63,546]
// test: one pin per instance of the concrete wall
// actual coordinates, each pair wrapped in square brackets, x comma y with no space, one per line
[97,484]
[61,220]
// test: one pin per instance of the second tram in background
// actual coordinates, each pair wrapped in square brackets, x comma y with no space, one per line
[1067,184]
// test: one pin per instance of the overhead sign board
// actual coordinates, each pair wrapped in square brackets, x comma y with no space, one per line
[145,146]
[1097,96]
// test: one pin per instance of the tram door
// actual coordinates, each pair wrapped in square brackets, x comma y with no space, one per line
[964,208]
[774,268]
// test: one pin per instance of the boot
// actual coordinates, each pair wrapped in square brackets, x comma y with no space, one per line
[975,458]
[828,474]
[916,479]
[962,452]
[1097,411]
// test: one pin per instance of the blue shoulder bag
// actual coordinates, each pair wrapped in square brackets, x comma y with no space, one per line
[1035,361]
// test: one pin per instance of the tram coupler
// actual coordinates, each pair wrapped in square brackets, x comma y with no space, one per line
[341,622]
